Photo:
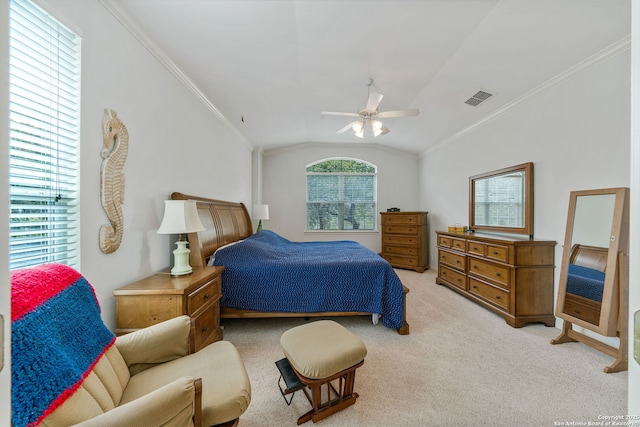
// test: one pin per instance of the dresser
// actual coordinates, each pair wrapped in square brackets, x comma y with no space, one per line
[405,240]
[509,275]
[162,296]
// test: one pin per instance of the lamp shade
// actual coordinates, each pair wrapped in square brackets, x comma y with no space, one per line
[260,211]
[180,216]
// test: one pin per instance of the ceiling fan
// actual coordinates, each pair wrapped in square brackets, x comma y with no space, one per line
[370,115]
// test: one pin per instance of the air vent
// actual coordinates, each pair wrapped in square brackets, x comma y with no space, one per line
[478,98]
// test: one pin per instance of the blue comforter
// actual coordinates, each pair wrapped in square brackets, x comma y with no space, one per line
[585,282]
[267,272]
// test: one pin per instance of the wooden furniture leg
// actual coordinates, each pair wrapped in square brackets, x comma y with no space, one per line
[564,336]
[344,396]
[336,398]
[404,329]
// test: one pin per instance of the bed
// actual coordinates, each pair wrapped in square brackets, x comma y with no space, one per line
[341,278]
[587,271]
[585,282]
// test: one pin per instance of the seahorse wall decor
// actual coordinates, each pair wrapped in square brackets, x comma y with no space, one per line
[114,154]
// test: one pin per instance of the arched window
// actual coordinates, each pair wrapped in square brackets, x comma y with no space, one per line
[341,195]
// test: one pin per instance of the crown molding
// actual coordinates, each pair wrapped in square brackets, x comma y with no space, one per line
[129,24]
[610,52]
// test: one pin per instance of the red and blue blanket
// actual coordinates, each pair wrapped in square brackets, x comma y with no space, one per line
[57,337]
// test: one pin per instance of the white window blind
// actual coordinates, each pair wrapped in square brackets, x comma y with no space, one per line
[341,195]
[44,112]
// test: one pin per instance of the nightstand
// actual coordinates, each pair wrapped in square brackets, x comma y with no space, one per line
[162,296]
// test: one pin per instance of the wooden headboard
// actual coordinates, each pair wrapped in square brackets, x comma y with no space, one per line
[225,222]
[589,256]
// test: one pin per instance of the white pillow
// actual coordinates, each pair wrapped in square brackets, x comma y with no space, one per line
[212,258]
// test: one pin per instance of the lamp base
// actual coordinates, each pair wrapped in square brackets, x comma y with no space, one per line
[181,259]
[259,226]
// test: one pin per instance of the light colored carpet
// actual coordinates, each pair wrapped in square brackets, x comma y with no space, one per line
[462,365]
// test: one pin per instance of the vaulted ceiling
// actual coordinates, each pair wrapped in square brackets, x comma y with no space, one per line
[271,67]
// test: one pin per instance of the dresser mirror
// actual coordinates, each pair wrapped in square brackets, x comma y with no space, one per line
[593,275]
[502,200]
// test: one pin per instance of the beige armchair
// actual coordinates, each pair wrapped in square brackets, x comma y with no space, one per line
[163,384]
[147,378]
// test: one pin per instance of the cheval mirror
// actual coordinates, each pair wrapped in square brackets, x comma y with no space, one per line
[593,288]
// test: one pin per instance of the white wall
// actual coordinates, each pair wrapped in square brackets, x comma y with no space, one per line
[285,191]
[576,133]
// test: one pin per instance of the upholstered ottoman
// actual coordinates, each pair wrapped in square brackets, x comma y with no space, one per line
[321,353]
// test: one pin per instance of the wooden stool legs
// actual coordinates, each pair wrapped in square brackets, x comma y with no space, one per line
[336,398]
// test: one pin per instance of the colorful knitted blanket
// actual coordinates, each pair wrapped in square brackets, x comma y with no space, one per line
[57,338]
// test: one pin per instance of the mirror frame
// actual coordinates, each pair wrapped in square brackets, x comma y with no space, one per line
[527,209]
[610,307]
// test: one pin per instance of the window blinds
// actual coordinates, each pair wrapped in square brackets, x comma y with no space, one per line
[341,195]
[44,110]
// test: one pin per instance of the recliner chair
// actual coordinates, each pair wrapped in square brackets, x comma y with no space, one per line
[69,369]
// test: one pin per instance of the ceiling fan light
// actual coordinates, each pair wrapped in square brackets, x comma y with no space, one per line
[358,128]
[376,127]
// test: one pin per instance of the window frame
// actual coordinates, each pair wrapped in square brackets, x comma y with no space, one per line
[341,203]
[44,140]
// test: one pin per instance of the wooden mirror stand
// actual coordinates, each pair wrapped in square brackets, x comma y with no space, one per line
[594,276]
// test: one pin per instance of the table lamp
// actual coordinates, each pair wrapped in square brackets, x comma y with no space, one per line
[180,217]
[260,212]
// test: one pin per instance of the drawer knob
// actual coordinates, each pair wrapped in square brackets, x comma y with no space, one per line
[498,274]
[204,329]
[497,296]
[206,296]
[495,252]
[475,287]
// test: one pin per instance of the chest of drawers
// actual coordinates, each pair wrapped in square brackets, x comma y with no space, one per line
[162,296]
[405,240]
[510,276]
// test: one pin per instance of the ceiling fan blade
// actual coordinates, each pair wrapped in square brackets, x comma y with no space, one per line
[373,101]
[398,113]
[347,127]
[334,113]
